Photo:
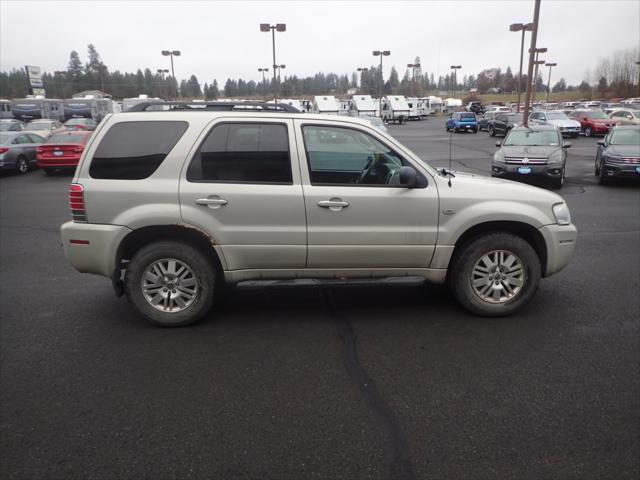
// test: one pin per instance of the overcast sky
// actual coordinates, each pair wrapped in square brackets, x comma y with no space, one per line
[222,39]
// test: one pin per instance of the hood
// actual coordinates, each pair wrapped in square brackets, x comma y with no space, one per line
[532,151]
[564,122]
[623,150]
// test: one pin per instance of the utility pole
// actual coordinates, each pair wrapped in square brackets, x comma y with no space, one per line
[534,38]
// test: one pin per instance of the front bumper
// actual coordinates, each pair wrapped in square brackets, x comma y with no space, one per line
[620,170]
[523,171]
[561,243]
[92,248]
[569,130]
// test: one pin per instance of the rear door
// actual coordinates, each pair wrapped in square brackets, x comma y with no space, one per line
[242,187]
[358,216]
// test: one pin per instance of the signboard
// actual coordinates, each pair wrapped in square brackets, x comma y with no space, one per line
[34,75]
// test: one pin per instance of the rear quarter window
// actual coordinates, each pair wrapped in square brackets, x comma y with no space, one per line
[134,150]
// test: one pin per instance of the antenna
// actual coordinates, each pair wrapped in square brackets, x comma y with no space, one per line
[450,142]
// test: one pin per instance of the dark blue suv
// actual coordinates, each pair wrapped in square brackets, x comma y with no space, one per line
[462,121]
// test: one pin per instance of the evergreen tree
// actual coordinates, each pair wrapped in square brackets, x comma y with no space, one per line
[194,87]
[214,92]
[560,86]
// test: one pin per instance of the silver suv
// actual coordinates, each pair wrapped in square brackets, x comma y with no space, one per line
[173,204]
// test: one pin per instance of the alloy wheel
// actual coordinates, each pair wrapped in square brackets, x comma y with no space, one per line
[498,276]
[169,285]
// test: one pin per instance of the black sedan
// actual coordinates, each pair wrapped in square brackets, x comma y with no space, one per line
[618,154]
[504,122]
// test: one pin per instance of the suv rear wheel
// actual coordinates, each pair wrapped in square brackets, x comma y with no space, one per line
[171,283]
[495,274]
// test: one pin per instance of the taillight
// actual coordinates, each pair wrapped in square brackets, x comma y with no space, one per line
[78,149]
[39,150]
[3,150]
[76,203]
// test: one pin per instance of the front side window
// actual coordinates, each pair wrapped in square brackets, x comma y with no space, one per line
[344,156]
[134,150]
[243,153]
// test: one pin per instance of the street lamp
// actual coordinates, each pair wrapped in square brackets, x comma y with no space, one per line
[161,72]
[550,65]
[517,27]
[413,66]
[63,73]
[264,93]
[537,51]
[381,53]
[280,67]
[454,76]
[173,53]
[278,27]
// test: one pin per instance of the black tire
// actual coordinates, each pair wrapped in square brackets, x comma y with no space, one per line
[588,132]
[22,166]
[491,130]
[446,127]
[475,130]
[602,178]
[557,183]
[596,170]
[467,255]
[204,273]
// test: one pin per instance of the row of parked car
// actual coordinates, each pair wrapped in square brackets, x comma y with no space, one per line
[47,144]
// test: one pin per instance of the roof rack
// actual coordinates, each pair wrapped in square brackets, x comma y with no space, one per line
[212,106]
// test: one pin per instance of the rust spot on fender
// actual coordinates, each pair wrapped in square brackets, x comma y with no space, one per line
[212,240]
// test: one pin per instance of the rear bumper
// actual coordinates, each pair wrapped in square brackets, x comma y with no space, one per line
[561,243]
[44,162]
[92,248]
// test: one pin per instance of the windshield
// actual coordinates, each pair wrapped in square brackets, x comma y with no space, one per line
[528,138]
[597,115]
[66,138]
[5,127]
[557,116]
[625,137]
[37,126]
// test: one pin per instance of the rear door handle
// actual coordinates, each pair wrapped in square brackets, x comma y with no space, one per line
[214,201]
[334,204]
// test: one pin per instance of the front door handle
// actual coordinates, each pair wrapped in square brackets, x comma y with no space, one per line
[213,201]
[334,204]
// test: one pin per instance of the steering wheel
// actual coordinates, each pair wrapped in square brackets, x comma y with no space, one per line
[367,168]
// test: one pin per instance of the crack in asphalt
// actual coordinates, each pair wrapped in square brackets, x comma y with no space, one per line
[397,458]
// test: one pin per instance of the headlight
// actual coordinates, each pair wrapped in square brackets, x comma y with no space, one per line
[499,156]
[556,158]
[562,214]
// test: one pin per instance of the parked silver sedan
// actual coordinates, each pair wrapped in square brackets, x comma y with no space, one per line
[45,128]
[18,150]
[11,125]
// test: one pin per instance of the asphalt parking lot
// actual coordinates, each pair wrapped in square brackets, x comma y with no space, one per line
[327,383]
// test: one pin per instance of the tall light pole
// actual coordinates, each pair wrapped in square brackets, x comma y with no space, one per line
[550,65]
[517,27]
[362,69]
[62,73]
[280,67]
[532,48]
[413,66]
[264,93]
[535,75]
[278,27]
[173,53]
[162,71]
[381,53]
[454,76]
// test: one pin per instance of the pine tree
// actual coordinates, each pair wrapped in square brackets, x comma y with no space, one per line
[194,87]
[214,91]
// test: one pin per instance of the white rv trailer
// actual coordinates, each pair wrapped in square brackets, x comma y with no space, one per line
[325,104]
[295,103]
[5,109]
[345,106]
[452,104]
[363,105]
[436,106]
[415,108]
[87,107]
[395,109]
[33,108]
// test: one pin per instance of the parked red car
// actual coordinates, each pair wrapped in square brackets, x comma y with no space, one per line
[594,122]
[62,150]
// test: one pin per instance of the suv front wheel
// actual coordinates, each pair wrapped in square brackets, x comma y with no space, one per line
[171,283]
[495,274]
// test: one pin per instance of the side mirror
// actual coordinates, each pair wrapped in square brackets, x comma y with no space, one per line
[601,142]
[566,145]
[408,177]
[498,144]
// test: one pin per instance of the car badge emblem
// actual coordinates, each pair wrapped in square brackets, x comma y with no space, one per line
[525,160]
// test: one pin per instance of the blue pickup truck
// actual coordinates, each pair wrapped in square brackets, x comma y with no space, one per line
[462,122]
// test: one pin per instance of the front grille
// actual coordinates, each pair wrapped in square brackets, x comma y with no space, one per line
[530,160]
[624,160]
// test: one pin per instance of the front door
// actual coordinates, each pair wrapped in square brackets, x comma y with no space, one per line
[358,215]
[241,189]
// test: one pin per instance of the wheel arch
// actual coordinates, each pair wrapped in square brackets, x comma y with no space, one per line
[523,230]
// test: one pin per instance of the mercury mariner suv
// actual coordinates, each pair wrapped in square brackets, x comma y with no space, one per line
[173,201]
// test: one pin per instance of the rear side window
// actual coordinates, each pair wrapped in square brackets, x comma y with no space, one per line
[134,150]
[243,153]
